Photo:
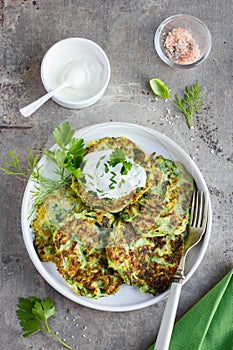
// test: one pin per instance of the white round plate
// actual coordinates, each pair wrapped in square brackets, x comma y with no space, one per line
[127,298]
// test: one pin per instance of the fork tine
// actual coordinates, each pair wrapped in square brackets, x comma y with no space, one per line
[198,217]
[193,210]
[200,207]
[205,213]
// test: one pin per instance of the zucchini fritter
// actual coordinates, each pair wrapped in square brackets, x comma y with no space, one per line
[49,215]
[81,257]
[146,262]
[165,207]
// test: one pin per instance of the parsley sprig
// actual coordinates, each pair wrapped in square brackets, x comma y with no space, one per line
[116,157]
[70,151]
[33,314]
[191,102]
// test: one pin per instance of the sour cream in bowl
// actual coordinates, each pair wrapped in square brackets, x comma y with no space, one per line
[93,72]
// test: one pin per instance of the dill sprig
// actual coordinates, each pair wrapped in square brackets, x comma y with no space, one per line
[191,102]
[14,167]
[44,186]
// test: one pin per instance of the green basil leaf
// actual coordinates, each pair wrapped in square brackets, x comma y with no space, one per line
[159,88]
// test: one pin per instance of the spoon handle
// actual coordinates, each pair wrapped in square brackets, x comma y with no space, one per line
[166,327]
[32,107]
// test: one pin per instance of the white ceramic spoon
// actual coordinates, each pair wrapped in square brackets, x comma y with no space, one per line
[73,77]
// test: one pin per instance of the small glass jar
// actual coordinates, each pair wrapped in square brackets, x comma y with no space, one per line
[196,28]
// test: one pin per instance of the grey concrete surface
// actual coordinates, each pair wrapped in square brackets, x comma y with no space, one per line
[125,30]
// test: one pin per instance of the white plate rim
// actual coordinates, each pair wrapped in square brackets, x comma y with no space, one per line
[27,235]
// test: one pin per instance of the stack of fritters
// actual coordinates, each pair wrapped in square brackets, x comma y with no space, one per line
[98,244]
[74,238]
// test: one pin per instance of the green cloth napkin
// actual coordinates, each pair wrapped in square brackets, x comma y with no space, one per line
[208,325]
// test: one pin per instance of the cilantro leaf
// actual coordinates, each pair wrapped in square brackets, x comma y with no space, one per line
[33,314]
[30,327]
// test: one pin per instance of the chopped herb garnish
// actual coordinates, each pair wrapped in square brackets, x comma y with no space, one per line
[106,168]
[121,182]
[90,176]
[112,186]
[113,173]
[101,158]
[113,181]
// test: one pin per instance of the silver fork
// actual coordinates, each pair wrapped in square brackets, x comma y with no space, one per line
[196,229]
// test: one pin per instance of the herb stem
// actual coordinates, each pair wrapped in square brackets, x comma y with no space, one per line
[59,340]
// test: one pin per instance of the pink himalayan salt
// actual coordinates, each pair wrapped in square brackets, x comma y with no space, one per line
[180,47]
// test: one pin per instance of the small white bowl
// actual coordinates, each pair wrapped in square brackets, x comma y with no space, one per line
[197,29]
[89,54]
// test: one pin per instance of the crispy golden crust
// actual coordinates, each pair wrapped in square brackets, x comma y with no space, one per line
[146,262]
[81,258]
[132,151]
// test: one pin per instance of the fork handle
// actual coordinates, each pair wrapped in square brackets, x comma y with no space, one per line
[166,327]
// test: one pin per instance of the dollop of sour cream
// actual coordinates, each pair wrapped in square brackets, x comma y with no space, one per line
[111,183]
[86,80]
